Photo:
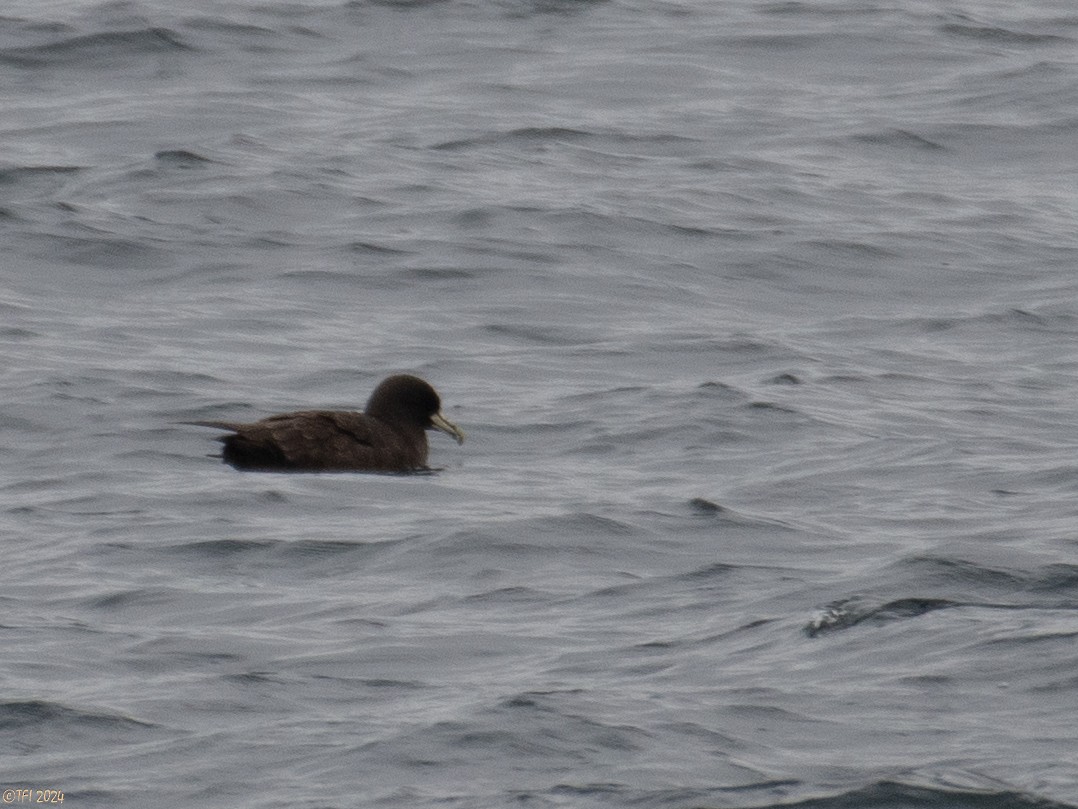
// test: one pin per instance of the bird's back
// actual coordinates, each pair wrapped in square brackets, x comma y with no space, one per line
[323,440]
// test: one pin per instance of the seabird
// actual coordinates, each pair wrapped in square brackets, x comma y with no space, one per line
[389,436]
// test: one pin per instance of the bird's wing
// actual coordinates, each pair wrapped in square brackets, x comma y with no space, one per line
[342,440]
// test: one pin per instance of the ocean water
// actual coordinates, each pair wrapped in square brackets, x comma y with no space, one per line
[762,320]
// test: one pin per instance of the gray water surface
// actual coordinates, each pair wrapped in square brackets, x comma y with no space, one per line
[761,319]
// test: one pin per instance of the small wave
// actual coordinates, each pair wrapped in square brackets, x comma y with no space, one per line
[305,550]
[785,378]
[17,333]
[331,277]
[180,158]
[541,335]
[952,583]
[1005,36]
[17,175]
[705,507]
[709,573]
[370,248]
[255,678]
[401,4]
[588,523]
[110,252]
[1058,579]
[508,595]
[889,794]
[223,548]
[538,537]
[435,274]
[849,612]
[563,7]
[952,573]
[899,138]
[707,515]
[540,137]
[1016,318]
[15,715]
[99,49]
[290,553]
[530,135]
[138,597]
[860,249]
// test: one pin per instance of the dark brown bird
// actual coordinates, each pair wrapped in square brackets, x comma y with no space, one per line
[389,436]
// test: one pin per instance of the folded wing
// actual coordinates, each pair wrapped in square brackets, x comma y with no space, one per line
[322,440]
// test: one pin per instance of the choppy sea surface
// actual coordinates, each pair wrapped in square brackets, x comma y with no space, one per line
[762,320]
